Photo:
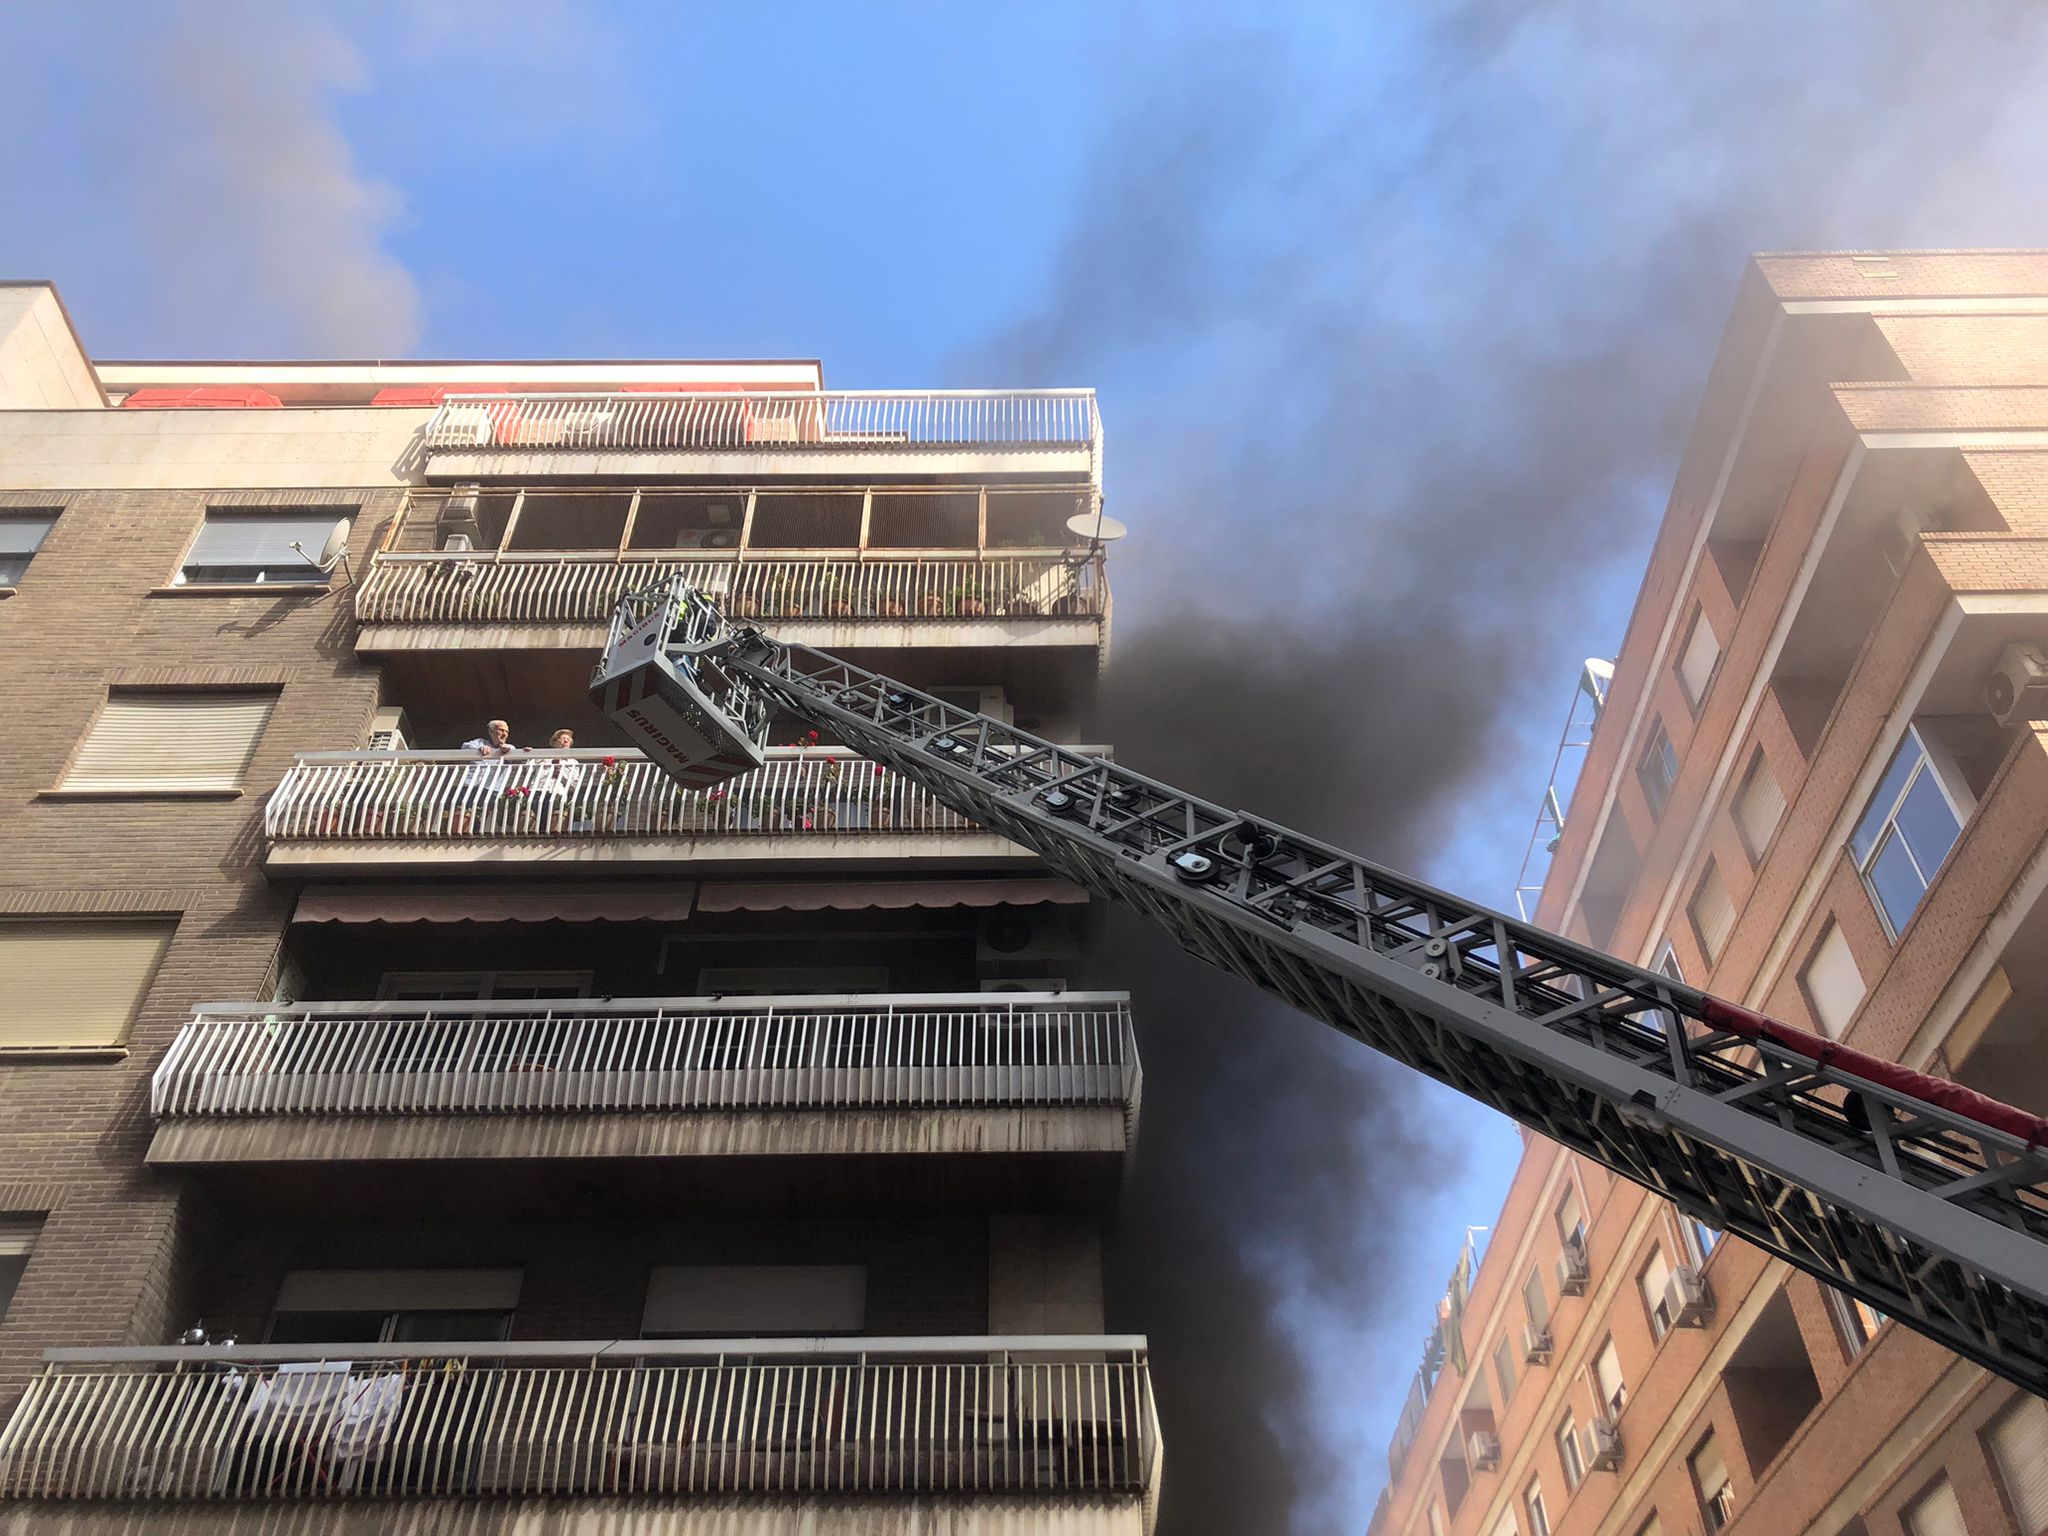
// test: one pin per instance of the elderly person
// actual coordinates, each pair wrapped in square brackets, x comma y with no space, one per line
[555,782]
[485,780]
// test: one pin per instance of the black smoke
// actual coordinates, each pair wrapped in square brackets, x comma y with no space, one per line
[1396,359]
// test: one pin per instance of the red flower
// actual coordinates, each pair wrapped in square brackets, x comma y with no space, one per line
[878,770]
[807,823]
[716,794]
[814,736]
[611,762]
[830,758]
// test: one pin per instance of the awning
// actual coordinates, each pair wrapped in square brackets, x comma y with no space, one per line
[817,895]
[666,902]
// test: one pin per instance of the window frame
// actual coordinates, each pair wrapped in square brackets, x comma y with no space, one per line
[1711,951]
[1759,770]
[1533,1507]
[1832,929]
[1661,1327]
[1658,746]
[25,515]
[1504,1370]
[67,786]
[1693,700]
[1610,1407]
[1854,1331]
[312,577]
[1571,1454]
[1887,827]
[1572,1196]
[167,922]
[1717,1508]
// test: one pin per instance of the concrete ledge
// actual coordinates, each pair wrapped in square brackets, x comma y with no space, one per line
[1083,632]
[1088,1131]
[768,462]
[767,1514]
[895,851]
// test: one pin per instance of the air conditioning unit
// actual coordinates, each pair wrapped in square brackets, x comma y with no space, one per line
[1536,1345]
[1014,935]
[1573,1270]
[1687,1301]
[1025,984]
[1603,1446]
[2017,688]
[389,731]
[1482,1450]
[458,520]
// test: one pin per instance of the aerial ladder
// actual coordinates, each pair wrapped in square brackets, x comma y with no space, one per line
[1920,1197]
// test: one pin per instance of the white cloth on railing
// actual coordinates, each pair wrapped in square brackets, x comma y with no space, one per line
[350,1415]
[554,776]
[488,772]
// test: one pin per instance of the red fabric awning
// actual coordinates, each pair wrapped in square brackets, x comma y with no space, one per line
[219,397]
[432,394]
[496,903]
[890,895]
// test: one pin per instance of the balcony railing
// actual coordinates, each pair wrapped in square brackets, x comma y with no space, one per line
[1011,1416]
[778,421]
[934,1051]
[457,796]
[568,588]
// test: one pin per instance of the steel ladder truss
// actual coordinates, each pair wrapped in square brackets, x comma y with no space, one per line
[1927,1214]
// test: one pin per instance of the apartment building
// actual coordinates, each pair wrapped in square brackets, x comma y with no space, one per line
[1817,785]
[398,1138]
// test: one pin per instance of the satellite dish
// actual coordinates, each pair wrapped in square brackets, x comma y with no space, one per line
[332,552]
[1098,527]
[336,545]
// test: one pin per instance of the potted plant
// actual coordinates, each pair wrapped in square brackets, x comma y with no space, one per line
[967,601]
[931,605]
[838,598]
[891,607]
[1021,605]
[1071,603]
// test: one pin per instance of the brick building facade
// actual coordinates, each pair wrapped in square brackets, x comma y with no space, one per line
[1803,795]
[545,1141]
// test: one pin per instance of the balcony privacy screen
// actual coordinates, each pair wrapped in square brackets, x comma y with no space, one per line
[161,740]
[68,984]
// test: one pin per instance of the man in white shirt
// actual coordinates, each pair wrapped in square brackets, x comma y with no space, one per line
[484,781]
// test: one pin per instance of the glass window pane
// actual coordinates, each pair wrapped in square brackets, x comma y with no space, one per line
[327,1328]
[450,1327]
[23,535]
[1930,827]
[1872,826]
[1896,882]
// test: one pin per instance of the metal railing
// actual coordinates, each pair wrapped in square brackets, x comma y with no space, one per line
[1019,1416]
[580,795]
[767,420]
[689,1053]
[557,588]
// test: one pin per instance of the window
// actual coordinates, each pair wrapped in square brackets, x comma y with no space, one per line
[482,986]
[1905,834]
[1666,964]
[74,984]
[2019,1444]
[395,1306]
[1833,985]
[1696,661]
[1713,914]
[1532,1502]
[1936,1513]
[1436,1519]
[152,740]
[250,547]
[1532,1298]
[1571,1217]
[1700,1238]
[1656,768]
[1710,1477]
[1504,1369]
[1608,1386]
[727,1301]
[21,535]
[1759,803]
[18,1236]
[1855,1319]
[1569,1454]
[1654,1280]
[1505,1525]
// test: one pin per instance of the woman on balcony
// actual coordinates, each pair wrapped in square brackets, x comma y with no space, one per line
[556,782]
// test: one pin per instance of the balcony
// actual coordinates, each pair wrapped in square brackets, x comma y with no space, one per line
[356,812]
[1066,1421]
[984,1072]
[750,432]
[562,600]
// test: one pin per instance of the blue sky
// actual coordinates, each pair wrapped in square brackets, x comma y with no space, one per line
[1398,311]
